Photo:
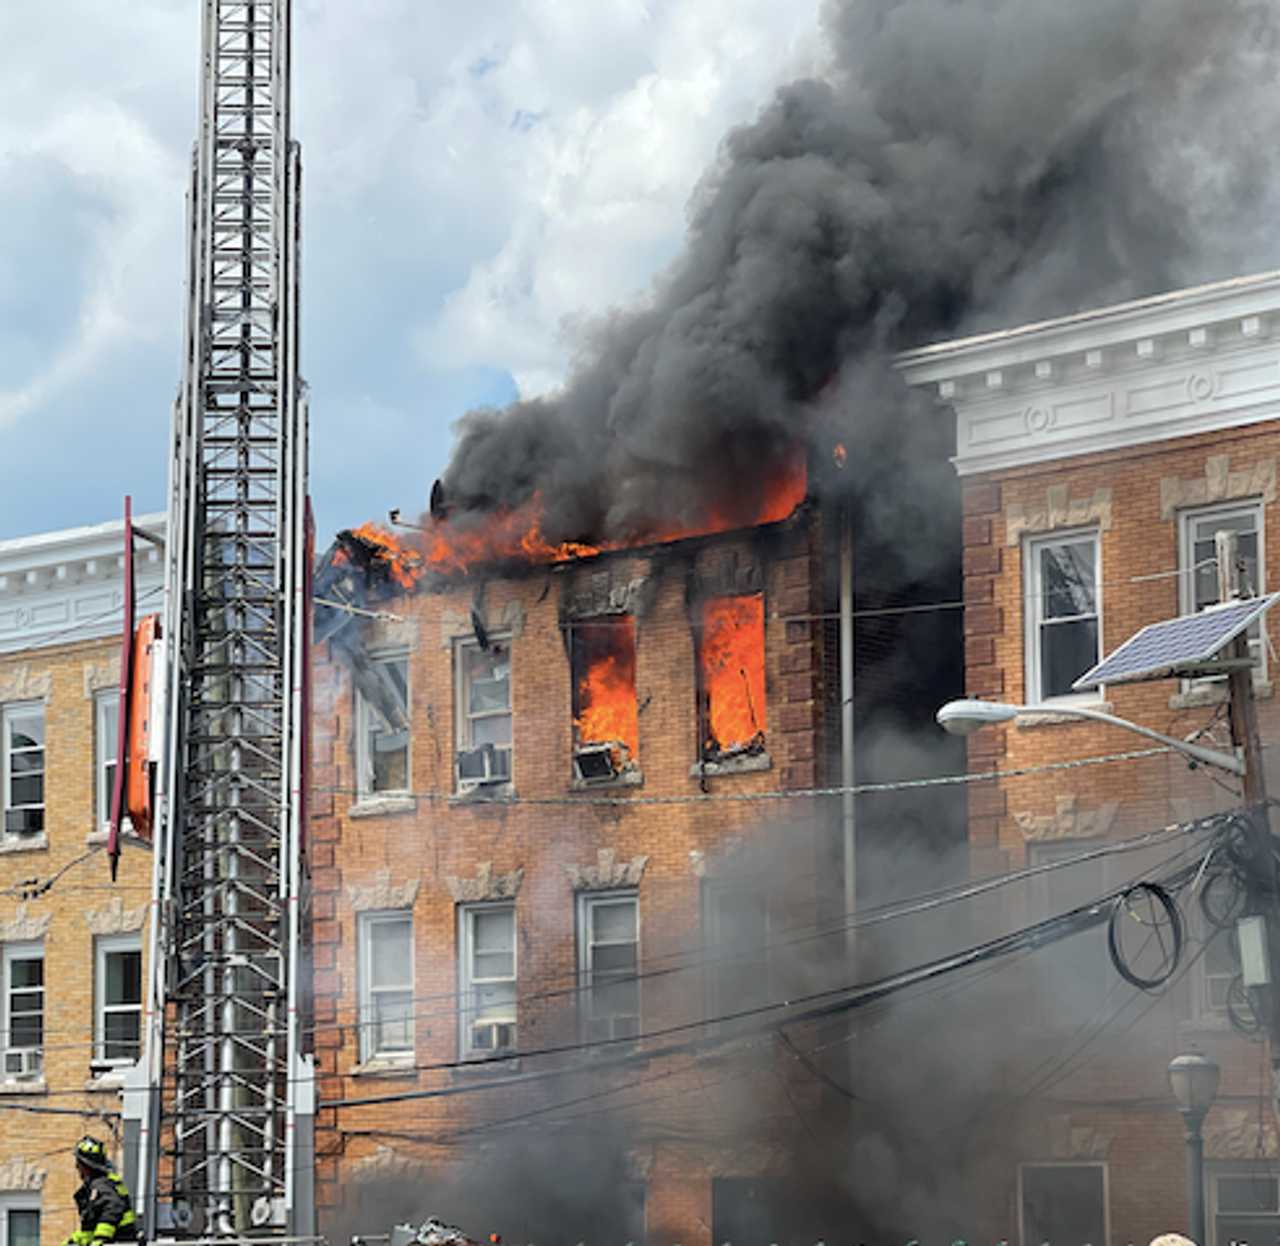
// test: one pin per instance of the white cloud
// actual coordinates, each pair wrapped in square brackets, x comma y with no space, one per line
[630,111]
[476,176]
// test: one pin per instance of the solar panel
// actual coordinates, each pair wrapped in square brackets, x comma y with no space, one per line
[1178,646]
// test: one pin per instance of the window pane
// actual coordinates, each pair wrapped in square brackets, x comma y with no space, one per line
[390,953]
[1204,550]
[1067,650]
[493,931]
[489,694]
[613,921]
[493,965]
[492,730]
[1248,1192]
[24,1228]
[27,791]
[1063,1203]
[26,1030]
[30,762]
[26,972]
[616,999]
[26,729]
[121,1033]
[496,1002]
[1068,582]
[614,958]
[108,724]
[393,1023]
[123,978]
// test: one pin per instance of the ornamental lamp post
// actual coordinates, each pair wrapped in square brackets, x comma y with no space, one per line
[1194,1082]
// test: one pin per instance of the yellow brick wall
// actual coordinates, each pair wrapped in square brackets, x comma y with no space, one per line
[35,1146]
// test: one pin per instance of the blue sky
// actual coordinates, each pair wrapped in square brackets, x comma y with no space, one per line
[479,179]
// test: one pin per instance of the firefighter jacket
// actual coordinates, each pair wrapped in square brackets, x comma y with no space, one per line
[106,1213]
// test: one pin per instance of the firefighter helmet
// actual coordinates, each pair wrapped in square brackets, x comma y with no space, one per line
[92,1154]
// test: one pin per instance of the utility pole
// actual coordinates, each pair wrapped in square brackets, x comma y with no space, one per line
[1245,736]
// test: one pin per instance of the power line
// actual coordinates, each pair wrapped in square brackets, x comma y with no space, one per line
[813,1005]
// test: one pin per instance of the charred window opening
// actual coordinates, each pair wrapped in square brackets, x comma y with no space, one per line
[731,691]
[606,717]
[382,714]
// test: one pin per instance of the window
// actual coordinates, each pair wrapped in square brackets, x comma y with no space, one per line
[1243,1203]
[386,984]
[19,1220]
[606,717]
[1062,1203]
[382,746]
[107,742]
[735,923]
[1079,968]
[1063,590]
[486,980]
[118,995]
[23,769]
[608,959]
[1213,974]
[23,1009]
[484,713]
[731,672]
[1197,560]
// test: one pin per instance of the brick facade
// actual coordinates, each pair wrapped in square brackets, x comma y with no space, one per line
[666,836]
[1105,1098]
[56,668]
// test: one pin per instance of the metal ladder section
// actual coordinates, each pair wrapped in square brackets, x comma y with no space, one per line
[220,1107]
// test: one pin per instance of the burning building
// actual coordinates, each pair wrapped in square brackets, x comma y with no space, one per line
[572,810]
[582,720]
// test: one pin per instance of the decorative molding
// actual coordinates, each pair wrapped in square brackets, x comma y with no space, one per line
[607,872]
[603,591]
[386,633]
[385,1162]
[1192,361]
[71,580]
[1233,1133]
[1219,484]
[23,927]
[101,676]
[1057,509]
[485,886]
[1069,1141]
[383,894]
[21,1174]
[18,683]
[115,919]
[457,625]
[732,855]
[1068,821]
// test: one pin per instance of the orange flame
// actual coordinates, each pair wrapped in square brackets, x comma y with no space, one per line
[732,654]
[402,561]
[605,659]
[516,534]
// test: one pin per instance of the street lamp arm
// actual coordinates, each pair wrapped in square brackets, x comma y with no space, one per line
[1208,756]
[962,717]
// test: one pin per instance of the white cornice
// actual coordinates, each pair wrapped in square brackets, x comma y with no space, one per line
[1191,361]
[61,587]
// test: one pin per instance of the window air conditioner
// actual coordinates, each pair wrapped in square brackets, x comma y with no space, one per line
[486,764]
[23,821]
[493,1037]
[23,1063]
[594,763]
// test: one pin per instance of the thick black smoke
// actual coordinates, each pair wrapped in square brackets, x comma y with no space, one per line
[963,164]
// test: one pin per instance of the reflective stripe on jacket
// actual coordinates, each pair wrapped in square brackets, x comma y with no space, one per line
[106,1214]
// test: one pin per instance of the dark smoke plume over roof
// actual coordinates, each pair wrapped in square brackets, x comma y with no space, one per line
[962,164]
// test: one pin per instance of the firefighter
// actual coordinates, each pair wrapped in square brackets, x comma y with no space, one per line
[106,1212]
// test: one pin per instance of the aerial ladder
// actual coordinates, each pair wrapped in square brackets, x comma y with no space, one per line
[218,1112]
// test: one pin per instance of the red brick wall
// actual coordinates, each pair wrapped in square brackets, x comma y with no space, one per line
[1117,1098]
[439,837]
